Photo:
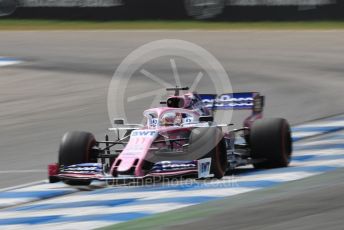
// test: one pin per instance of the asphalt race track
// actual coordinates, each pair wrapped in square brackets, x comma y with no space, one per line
[318,149]
[52,82]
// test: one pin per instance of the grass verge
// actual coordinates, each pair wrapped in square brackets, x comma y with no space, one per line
[21,24]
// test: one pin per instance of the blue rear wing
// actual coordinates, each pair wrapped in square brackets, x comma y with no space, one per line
[234,101]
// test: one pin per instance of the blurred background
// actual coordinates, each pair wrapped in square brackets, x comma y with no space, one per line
[58,57]
[238,10]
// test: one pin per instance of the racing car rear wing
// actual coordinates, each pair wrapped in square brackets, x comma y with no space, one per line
[234,101]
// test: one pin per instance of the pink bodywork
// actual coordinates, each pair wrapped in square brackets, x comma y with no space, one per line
[138,147]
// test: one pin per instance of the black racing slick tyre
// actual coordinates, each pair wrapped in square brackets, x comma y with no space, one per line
[209,142]
[76,148]
[271,143]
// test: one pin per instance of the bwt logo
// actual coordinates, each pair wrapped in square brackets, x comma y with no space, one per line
[143,133]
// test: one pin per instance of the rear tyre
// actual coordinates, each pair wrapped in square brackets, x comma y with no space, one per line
[209,143]
[76,148]
[271,143]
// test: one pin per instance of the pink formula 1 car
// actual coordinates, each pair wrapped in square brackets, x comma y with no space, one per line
[178,140]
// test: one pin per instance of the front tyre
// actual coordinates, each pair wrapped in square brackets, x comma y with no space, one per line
[76,148]
[209,143]
[271,143]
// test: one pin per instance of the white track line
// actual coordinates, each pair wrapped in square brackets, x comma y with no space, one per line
[22,185]
[23,171]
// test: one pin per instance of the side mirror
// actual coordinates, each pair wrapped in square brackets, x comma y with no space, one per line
[206,118]
[118,121]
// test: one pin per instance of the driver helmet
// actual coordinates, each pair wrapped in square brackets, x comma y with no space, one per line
[178,119]
[168,119]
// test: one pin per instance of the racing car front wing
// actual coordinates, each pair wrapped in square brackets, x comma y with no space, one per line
[161,170]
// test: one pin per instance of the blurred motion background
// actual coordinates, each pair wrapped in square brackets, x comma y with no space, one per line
[54,77]
[239,10]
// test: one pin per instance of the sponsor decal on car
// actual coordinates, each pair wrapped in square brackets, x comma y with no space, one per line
[144,133]
[228,101]
[83,168]
[166,166]
[203,166]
